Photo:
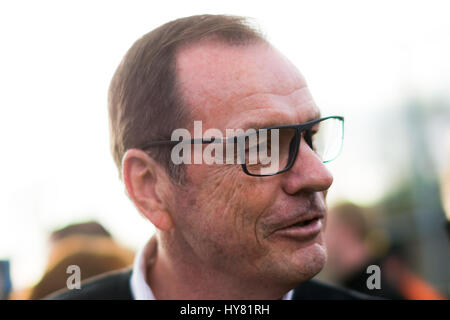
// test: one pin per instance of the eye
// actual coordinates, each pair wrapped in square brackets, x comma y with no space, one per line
[258,141]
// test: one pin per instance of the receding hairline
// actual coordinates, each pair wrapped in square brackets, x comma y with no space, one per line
[151,59]
[206,43]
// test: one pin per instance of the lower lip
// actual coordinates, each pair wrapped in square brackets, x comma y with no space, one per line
[306,232]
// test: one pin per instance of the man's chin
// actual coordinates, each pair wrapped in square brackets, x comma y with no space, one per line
[314,256]
[306,262]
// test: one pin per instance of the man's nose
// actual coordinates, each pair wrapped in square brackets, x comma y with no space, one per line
[308,174]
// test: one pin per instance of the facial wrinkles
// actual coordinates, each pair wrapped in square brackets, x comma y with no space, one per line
[268,97]
[215,213]
[234,208]
[258,224]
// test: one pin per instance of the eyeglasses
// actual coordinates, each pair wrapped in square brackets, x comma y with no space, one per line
[271,151]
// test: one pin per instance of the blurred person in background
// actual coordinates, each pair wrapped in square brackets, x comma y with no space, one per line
[87,245]
[5,280]
[445,184]
[355,242]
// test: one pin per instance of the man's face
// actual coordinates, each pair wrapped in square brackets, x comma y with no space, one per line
[232,222]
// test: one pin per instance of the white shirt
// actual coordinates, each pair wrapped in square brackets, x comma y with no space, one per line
[146,257]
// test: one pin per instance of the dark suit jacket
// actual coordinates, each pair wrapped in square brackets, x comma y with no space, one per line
[116,286]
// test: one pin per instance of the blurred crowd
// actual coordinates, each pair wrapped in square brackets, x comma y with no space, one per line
[86,245]
[356,239]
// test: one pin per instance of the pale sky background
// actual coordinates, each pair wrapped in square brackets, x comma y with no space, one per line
[362,59]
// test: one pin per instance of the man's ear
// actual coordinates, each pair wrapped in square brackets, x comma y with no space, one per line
[145,180]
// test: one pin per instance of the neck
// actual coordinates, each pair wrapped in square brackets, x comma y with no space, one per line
[179,274]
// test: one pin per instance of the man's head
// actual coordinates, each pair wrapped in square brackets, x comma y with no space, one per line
[220,220]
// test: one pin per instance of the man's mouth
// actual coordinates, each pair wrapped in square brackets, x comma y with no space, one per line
[305,228]
[305,222]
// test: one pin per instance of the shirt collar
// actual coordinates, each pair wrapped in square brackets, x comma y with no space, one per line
[144,259]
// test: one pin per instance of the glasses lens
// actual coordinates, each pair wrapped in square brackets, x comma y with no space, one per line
[328,138]
[269,151]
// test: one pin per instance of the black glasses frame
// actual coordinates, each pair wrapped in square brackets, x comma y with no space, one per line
[293,149]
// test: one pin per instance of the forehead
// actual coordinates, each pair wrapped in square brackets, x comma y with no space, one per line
[229,86]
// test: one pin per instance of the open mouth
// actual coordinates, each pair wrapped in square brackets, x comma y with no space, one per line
[303,230]
[305,222]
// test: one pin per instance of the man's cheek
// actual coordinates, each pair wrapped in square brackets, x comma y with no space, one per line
[222,184]
[239,199]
